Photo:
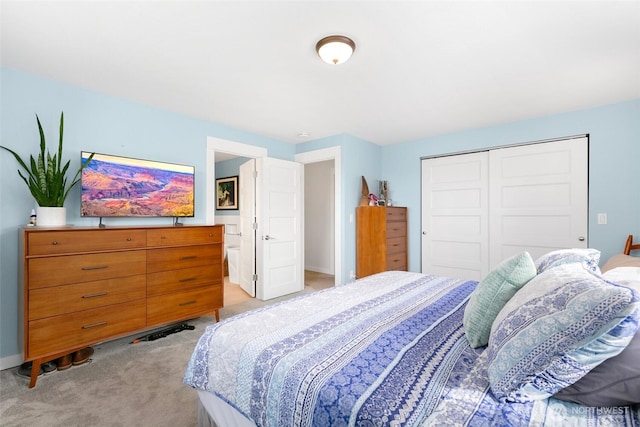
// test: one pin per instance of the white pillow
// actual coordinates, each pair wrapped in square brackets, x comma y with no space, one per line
[627,276]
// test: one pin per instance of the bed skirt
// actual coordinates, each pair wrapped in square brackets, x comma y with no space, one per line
[215,412]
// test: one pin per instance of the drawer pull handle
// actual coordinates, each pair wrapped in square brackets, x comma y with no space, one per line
[95,267]
[188,279]
[183,258]
[129,239]
[97,294]
[55,242]
[187,303]
[93,325]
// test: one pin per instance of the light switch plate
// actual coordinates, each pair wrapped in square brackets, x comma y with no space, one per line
[602,218]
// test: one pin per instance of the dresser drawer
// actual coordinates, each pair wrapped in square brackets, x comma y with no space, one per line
[396,214]
[57,300]
[48,336]
[184,236]
[396,229]
[64,242]
[182,279]
[63,270]
[183,257]
[183,305]
[396,245]
[397,262]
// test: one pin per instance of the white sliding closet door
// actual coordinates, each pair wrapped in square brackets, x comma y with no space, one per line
[538,198]
[480,208]
[455,233]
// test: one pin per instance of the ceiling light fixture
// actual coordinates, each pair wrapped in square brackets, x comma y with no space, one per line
[335,49]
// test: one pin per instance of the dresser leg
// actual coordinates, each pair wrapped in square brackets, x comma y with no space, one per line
[217,315]
[35,369]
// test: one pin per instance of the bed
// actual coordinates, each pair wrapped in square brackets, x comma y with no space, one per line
[410,349]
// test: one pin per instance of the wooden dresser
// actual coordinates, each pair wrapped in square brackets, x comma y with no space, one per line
[381,239]
[87,285]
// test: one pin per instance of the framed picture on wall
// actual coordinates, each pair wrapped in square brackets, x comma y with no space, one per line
[227,193]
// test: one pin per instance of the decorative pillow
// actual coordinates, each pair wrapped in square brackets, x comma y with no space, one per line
[492,293]
[614,382]
[554,330]
[621,260]
[589,258]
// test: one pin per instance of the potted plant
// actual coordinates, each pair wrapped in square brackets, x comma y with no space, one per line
[47,181]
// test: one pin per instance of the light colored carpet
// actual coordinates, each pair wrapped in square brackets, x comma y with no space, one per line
[124,384]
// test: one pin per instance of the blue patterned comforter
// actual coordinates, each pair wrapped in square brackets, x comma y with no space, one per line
[386,350]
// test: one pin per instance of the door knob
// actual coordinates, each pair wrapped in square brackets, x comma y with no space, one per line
[267,237]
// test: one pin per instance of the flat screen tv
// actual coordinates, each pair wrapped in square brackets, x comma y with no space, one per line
[115,186]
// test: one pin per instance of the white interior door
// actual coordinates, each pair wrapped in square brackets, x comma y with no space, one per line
[455,234]
[247,207]
[279,237]
[538,198]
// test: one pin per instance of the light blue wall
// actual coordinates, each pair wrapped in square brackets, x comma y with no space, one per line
[614,163]
[93,122]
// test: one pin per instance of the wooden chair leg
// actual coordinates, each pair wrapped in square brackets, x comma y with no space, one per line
[627,245]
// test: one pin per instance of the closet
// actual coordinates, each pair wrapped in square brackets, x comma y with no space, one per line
[479,208]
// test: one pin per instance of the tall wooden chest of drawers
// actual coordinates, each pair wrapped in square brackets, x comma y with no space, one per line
[87,285]
[381,239]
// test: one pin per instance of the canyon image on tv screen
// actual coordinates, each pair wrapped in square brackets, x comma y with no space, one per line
[116,186]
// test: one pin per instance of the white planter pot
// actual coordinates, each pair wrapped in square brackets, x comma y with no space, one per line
[51,217]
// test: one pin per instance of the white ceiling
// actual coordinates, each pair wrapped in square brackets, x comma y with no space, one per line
[420,68]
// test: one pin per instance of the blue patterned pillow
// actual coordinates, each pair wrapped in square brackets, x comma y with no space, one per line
[589,258]
[554,330]
[492,293]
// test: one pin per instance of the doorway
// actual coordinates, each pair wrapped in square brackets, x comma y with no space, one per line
[217,147]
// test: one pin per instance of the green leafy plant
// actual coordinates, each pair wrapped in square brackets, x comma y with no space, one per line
[46,177]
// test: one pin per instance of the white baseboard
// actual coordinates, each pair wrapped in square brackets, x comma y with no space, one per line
[10,361]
